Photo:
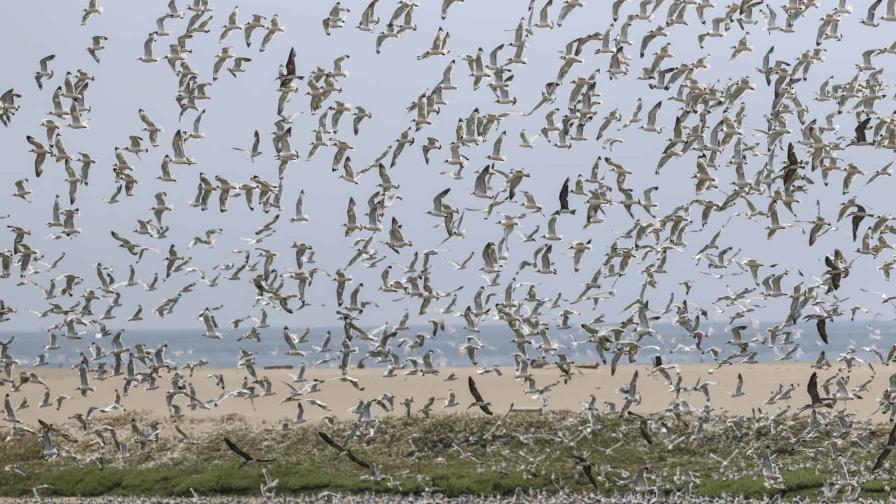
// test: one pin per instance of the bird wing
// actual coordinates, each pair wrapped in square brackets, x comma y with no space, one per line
[7,406]
[891,439]
[564,194]
[327,439]
[256,141]
[34,143]
[478,396]
[812,389]
[291,62]
[645,431]
[546,258]
[82,371]
[44,61]
[821,325]
[177,145]
[354,458]
[791,155]
[236,449]
[651,115]
[474,390]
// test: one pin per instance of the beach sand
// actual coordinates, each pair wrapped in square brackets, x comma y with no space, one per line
[760,382]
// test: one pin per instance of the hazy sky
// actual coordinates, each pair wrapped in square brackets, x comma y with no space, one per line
[386,84]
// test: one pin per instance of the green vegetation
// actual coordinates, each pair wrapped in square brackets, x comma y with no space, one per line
[456,455]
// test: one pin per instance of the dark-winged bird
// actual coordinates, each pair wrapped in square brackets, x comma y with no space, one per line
[564,198]
[891,441]
[817,400]
[586,467]
[341,449]
[484,406]
[247,459]
[861,139]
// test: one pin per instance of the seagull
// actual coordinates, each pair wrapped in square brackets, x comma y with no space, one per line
[44,73]
[255,23]
[254,152]
[232,24]
[22,192]
[885,171]
[40,153]
[9,412]
[92,9]
[300,215]
[84,388]
[526,142]
[274,27]
[148,48]
[739,388]
[150,127]
[97,46]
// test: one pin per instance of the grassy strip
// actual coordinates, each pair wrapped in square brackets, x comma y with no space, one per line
[449,454]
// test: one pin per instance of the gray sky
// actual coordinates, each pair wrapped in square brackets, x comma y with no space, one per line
[385,84]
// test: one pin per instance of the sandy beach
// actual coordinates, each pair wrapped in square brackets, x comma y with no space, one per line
[760,383]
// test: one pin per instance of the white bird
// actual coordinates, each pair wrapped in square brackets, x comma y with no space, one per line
[254,151]
[148,48]
[9,412]
[44,72]
[22,191]
[84,388]
[300,215]
[525,141]
[92,9]
[97,45]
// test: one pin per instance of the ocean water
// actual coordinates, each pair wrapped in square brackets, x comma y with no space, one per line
[188,345]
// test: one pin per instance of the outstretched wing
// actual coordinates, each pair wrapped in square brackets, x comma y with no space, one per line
[590,475]
[860,129]
[7,406]
[291,62]
[821,326]
[887,449]
[473,389]
[476,395]
[236,449]
[792,160]
[645,431]
[564,195]
[327,439]
[812,389]
[356,460]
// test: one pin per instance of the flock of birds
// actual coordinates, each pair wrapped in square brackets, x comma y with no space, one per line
[701,126]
